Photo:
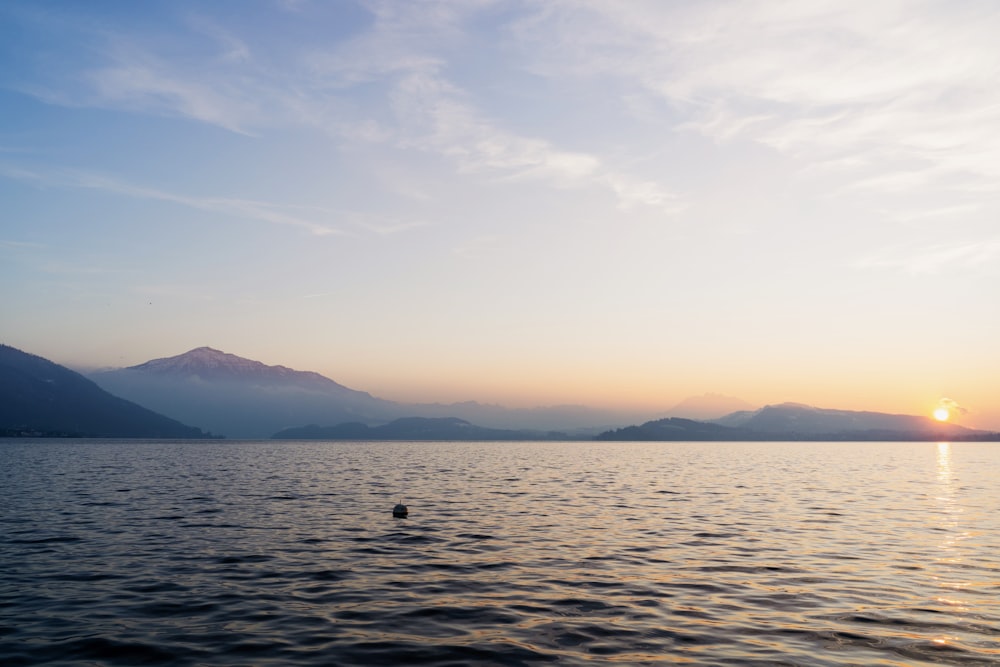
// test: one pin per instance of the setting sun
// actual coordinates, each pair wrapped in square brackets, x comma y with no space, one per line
[941,414]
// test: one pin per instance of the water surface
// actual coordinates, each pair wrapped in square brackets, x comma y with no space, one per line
[266,553]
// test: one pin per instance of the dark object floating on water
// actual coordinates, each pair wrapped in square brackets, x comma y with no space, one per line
[400,511]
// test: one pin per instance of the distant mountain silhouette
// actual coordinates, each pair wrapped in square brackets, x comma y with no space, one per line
[675,429]
[41,398]
[242,398]
[412,428]
[217,366]
[708,406]
[805,420]
[579,421]
[794,421]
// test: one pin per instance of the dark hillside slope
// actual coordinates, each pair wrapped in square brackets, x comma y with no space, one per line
[39,397]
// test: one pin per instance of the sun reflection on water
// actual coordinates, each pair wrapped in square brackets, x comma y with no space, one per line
[944,461]
[946,482]
[953,555]
[947,521]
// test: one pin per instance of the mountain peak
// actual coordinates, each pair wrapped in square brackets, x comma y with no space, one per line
[708,406]
[207,363]
[790,405]
[206,351]
[240,397]
[199,361]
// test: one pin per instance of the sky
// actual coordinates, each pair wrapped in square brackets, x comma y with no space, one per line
[603,202]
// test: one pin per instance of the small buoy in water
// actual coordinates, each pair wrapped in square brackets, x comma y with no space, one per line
[400,511]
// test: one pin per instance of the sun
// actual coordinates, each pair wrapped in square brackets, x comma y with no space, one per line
[941,414]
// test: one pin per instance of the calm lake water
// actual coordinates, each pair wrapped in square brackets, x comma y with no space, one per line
[265,553]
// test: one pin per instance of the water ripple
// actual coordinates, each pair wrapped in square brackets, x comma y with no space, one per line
[122,553]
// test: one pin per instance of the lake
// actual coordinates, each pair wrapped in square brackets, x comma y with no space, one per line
[277,553]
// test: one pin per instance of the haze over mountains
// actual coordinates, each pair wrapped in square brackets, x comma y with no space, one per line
[794,421]
[708,406]
[414,428]
[241,398]
[805,420]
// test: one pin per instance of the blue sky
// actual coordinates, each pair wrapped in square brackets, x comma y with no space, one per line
[604,202]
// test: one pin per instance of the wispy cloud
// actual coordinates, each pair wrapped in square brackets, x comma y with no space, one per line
[240,208]
[318,295]
[292,215]
[390,228]
[149,87]
[952,406]
[408,50]
[410,102]
[906,92]
[884,98]
[171,291]
[77,268]
[17,173]
[15,149]
[936,258]
[230,48]
[195,69]
[443,122]
[440,119]
[632,192]
[477,247]
[7,243]
[934,214]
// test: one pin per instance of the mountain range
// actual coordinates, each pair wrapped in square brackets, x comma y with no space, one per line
[238,397]
[794,421]
[804,421]
[43,399]
[242,398]
[414,428]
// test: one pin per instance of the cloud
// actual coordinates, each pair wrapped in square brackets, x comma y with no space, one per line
[952,406]
[936,258]
[6,243]
[148,88]
[240,208]
[917,215]
[385,84]
[232,48]
[391,228]
[478,247]
[886,99]
[904,91]
[318,295]
[439,119]
[292,215]
[632,192]
[291,5]
[134,80]
[17,173]
[76,268]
